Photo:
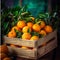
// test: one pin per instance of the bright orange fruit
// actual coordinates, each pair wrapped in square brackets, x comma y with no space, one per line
[21,24]
[36,27]
[30,24]
[12,34]
[25,29]
[34,38]
[48,29]
[26,36]
[43,32]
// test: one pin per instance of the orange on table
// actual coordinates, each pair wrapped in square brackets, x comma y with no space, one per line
[4,49]
[43,32]
[26,36]
[48,29]
[42,23]
[25,29]
[16,28]
[34,38]
[12,45]
[21,24]
[30,24]
[12,34]
[36,27]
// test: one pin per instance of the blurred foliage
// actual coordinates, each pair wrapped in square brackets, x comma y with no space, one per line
[11,16]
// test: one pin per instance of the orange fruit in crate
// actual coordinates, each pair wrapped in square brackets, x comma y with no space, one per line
[41,23]
[2,56]
[42,32]
[21,24]
[16,28]
[12,45]
[32,18]
[30,24]
[24,47]
[36,27]
[7,58]
[12,34]
[3,49]
[48,29]
[26,36]
[26,29]
[34,38]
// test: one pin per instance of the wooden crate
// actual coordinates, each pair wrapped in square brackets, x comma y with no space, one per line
[41,46]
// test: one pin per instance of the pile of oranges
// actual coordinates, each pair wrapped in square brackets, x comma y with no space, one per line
[27,28]
[4,53]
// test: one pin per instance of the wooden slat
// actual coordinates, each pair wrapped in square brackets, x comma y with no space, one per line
[46,38]
[46,49]
[26,53]
[19,42]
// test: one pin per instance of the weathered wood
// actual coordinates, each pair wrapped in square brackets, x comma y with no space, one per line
[18,41]
[39,48]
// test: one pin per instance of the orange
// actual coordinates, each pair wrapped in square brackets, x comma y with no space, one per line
[3,49]
[26,36]
[36,27]
[12,45]
[16,28]
[12,34]
[24,47]
[42,24]
[7,58]
[34,38]
[32,18]
[2,56]
[42,32]
[30,24]
[25,29]
[21,24]
[48,29]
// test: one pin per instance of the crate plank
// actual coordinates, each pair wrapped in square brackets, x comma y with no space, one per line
[18,41]
[26,53]
[46,38]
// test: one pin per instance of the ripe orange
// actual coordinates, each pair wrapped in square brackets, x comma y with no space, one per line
[7,58]
[2,56]
[16,28]
[12,45]
[26,36]
[34,38]
[24,47]
[25,29]
[48,29]
[42,24]
[43,32]
[36,27]
[21,24]
[3,49]
[32,18]
[12,34]
[30,24]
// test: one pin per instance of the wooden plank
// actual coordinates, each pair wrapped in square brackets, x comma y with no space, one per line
[46,49]
[46,38]
[26,53]
[18,41]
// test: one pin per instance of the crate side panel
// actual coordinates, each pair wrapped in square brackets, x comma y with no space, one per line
[46,38]
[19,42]
[20,52]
